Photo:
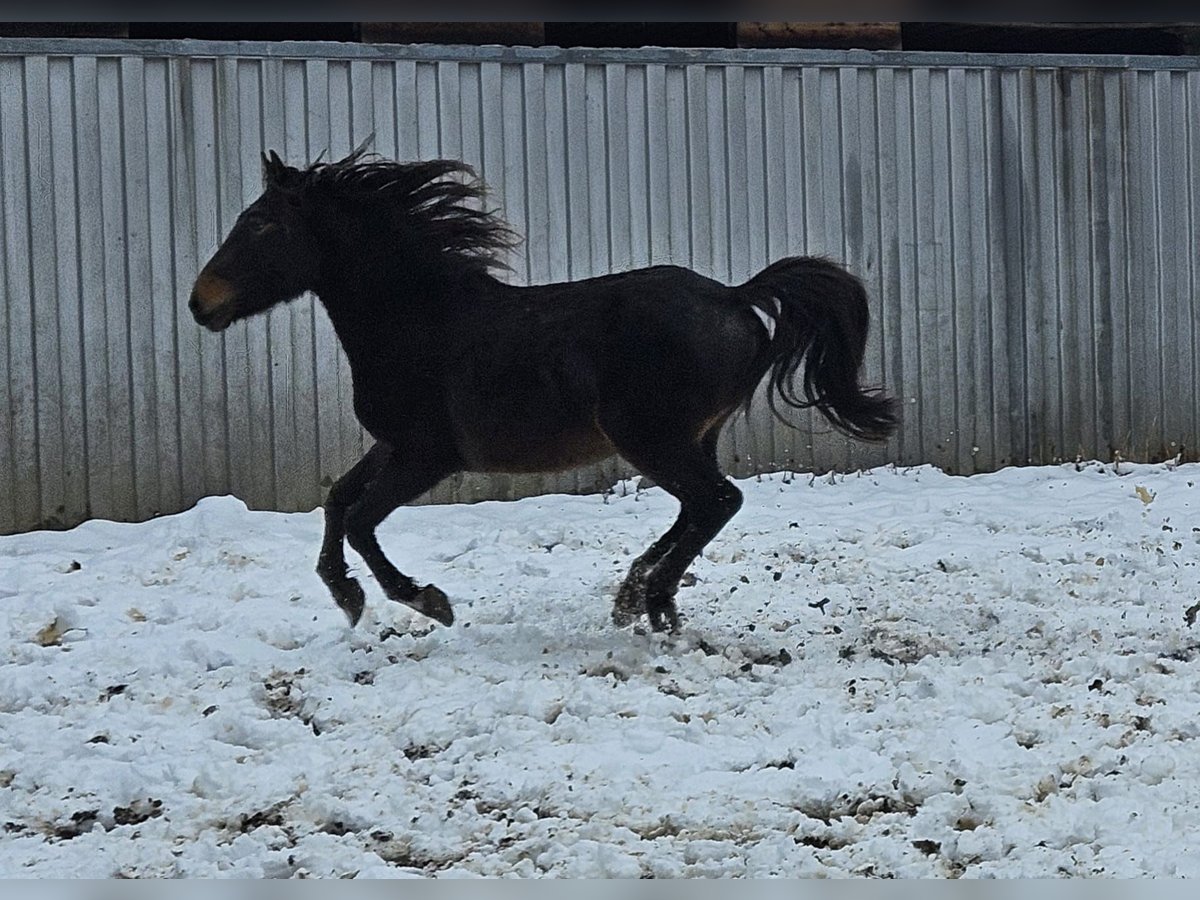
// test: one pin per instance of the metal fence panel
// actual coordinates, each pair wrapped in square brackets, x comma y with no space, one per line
[1027,229]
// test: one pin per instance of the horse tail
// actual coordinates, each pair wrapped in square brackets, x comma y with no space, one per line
[816,315]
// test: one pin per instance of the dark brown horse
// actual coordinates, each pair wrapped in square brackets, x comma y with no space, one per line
[456,371]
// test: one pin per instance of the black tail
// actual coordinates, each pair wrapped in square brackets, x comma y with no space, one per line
[821,321]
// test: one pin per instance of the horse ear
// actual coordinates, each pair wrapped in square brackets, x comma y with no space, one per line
[273,167]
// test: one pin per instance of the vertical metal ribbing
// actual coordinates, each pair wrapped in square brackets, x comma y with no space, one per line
[1024,233]
[287,455]
[964,164]
[20,426]
[42,290]
[1174,299]
[164,301]
[257,375]
[67,299]
[1191,303]
[1145,325]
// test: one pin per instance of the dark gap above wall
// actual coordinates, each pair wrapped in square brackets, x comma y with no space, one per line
[641,34]
[1124,38]
[246,31]
[1151,39]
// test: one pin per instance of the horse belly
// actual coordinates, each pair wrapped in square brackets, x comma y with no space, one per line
[519,450]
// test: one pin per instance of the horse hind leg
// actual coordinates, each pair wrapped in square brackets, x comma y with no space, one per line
[708,500]
[630,601]
[708,504]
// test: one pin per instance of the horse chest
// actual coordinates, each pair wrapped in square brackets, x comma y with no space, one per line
[391,410]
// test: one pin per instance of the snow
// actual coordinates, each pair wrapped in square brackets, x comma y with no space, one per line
[894,672]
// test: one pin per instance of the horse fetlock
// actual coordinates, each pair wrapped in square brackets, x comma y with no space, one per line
[400,588]
[332,567]
[630,601]
[661,585]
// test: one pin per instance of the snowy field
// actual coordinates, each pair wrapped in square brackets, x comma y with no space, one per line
[893,673]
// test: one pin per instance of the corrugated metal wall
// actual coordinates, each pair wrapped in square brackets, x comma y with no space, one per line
[1027,230]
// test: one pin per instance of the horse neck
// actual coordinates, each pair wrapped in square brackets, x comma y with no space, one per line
[367,316]
[383,294]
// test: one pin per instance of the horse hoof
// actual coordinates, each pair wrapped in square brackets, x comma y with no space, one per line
[623,617]
[351,600]
[433,602]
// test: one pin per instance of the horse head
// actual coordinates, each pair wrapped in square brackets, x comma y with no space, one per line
[270,255]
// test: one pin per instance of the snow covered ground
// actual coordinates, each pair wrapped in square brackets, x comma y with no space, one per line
[896,672]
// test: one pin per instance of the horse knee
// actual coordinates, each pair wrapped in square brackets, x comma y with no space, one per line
[360,530]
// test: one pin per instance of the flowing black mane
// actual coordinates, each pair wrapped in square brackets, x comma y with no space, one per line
[447,212]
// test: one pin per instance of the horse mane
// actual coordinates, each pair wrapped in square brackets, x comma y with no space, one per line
[434,197]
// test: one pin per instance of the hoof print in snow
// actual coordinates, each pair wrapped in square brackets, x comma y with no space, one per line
[284,700]
[80,823]
[390,632]
[413,752]
[780,659]
[85,820]
[137,812]
[822,841]
[52,634]
[861,809]
[671,689]
[247,822]
[604,669]
[278,699]
[900,648]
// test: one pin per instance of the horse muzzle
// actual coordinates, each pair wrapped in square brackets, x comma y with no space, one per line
[211,302]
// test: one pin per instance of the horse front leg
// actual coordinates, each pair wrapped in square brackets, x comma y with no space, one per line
[331,563]
[397,481]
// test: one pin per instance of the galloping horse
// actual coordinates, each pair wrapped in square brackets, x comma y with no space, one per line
[455,370]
